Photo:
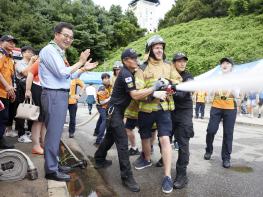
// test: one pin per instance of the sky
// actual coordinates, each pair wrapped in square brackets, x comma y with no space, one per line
[165,5]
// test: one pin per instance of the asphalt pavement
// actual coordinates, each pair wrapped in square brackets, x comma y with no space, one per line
[206,178]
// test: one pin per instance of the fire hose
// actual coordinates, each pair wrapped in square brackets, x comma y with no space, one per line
[15,165]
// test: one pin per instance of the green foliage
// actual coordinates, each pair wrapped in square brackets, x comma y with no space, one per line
[32,21]
[187,10]
[206,41]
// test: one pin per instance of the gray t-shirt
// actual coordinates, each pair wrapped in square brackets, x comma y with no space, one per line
[21,65]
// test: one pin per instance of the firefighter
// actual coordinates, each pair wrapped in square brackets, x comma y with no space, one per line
[116,70]
[223,108]
[156,110]
[182,121]
[124,90]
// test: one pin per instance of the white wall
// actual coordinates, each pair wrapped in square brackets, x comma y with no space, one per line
[146,14]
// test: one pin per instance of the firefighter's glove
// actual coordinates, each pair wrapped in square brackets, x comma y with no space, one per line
[162,95]
[166,82]
[160,84]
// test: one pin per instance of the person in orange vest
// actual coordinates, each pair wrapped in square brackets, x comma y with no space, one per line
[73,103]
[103,98]
[223,108]
[200,98]
[7,90]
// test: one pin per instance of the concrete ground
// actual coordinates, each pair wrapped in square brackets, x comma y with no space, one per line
[26,187]
[207,178]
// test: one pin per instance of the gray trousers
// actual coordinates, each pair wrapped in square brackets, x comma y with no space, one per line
[55,105]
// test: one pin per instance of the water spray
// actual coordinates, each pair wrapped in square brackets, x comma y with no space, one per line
[244,81]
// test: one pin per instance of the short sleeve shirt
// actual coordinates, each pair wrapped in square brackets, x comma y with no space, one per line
[7,71]
[124,84]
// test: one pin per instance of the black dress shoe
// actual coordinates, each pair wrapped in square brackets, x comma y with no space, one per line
[71,135]
[226,164]
[106,163]
[131,184]
[207,156]
[5,145]
[180,181]
[64,169]
[58,176]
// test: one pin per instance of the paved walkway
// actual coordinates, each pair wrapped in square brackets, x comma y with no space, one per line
[41,187]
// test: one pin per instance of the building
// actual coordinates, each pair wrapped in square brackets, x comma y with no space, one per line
[145,11]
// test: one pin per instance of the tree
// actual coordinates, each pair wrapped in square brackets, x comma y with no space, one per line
[32,21]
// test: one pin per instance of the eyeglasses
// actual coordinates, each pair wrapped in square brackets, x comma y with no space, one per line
[67,36]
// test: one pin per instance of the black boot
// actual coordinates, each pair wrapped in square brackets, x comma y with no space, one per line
[180,181]
[4,144]
[102,164]
[130,183]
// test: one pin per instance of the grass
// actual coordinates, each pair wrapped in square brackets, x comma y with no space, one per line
[206,41]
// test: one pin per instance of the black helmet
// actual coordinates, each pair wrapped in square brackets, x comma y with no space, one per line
[156,39]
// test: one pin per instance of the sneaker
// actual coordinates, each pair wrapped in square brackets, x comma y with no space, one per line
[138,160]
[11,133]
[207,156]
[24,139]
[167,185]
[131,184]
[159,163]
[71,135]
[28,133]
[133,152]
[142,164]
[226,164]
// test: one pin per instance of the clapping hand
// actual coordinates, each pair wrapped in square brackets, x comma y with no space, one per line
[84,56]
[89,65]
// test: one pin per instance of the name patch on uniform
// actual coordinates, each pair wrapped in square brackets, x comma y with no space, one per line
[128,79]
[130,85]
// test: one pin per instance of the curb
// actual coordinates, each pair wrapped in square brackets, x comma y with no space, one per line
[96,181]
[206,119]
[57,189]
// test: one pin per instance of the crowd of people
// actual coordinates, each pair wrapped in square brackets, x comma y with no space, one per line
[143,95]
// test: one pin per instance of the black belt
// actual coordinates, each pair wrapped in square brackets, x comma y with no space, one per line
[60,89]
